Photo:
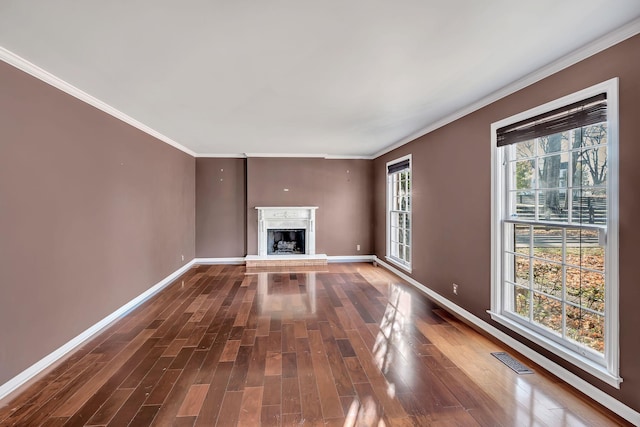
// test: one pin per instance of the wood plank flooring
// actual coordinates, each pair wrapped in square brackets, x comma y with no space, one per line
[350,345]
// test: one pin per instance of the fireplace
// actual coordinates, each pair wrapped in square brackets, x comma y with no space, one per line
[286,231]
[286,238]
[286,241]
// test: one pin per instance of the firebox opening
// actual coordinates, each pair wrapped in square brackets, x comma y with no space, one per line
[286,242]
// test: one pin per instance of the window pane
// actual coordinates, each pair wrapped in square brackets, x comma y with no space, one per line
[524,174]
[401,251]
[590,167]
[553,205]
[407,254]
[582,209]
[525,149]
[549,171]
[584,250]
[523,204]
[522,270]
[592,332]
[593,256]
[522,239]
[521,303]
[593,290]
[574,285]
[547,243]
[596,200]
[394,219]
[553,143]
[592,135]
[573,322]
[580,169]
[547,312]
[586,328]
[547,278]
[589,206]
[394,235]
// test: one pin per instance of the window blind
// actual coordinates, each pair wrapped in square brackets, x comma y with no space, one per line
[583,113]
[397,167]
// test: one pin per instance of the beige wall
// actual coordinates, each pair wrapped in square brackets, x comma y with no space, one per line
[340,188]
[93,212]
[452,200]
[220,208]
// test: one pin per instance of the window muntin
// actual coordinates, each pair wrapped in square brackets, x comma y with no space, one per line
[399,212]
[555,251]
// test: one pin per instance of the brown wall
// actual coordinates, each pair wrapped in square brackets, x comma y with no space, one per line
[340,188]
[452,200]
[93,212]
[220,208]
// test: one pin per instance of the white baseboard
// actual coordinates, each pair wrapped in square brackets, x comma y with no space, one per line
[211,261]
[351,258]
[45,362]
[570,378]
[241,260]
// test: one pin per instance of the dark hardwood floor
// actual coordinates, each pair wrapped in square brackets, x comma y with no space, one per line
[345,346]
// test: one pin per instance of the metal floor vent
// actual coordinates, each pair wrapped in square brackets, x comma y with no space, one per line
[518,367]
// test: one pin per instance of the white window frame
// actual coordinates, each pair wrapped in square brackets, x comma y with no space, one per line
[605,367]
[392,259]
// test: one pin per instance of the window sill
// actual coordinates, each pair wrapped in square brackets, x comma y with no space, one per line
[398,264]
[576,359]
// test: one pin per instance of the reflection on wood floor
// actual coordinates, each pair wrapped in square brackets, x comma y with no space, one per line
[345,346]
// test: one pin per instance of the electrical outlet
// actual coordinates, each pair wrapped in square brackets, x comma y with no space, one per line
[455,289]
[182,257]
[357,247]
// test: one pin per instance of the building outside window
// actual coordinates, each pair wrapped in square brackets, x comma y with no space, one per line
[399,212]
[554,272]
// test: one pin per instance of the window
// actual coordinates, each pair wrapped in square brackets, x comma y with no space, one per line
[554,231]
[399,212]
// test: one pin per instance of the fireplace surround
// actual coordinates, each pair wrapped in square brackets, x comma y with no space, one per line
[287,218]
[293,237]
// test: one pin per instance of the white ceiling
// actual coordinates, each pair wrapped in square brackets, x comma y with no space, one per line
[333,77]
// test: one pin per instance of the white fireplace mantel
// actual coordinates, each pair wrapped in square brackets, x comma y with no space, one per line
[277,217]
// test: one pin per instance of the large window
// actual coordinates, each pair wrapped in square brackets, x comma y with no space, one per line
[399,212]
[555,227]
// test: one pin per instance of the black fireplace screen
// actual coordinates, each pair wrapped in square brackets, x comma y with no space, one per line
[285,242]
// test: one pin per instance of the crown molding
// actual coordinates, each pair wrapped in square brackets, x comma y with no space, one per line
[604,42]
[37,72]
[222,156]
[282,155]
[299,155]
[351,157]
[310,155]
